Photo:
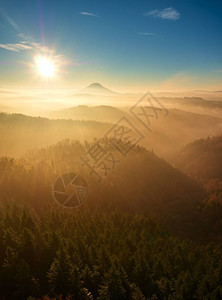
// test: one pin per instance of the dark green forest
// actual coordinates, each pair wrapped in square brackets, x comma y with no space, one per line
[147,231]
[101,254]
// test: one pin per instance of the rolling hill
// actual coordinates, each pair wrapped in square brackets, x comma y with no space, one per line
[139,181]
[202,159]
[101,113]
[168,134]
[20,133]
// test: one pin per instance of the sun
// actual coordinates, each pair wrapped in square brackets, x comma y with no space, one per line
[45,66]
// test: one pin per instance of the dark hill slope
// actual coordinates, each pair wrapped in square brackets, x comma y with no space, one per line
[202,159]
[139,182]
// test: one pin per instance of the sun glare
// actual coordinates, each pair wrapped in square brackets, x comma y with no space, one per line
[45,66]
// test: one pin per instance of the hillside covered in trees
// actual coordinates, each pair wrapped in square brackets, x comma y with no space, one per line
[128,240]
[20,133]
[146,231]
[138,181]
[202,159]
[101,255]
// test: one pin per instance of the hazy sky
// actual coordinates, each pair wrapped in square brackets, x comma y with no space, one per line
[127,45]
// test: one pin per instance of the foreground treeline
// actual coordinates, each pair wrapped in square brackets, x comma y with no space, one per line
[111,247]
[101,255]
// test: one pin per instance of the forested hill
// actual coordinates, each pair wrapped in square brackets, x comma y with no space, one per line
[110,247]
[138,181]
[202,159]
[19,132]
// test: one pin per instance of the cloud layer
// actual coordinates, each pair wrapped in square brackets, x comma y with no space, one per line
[85,13]
[15,47]
[146,33]
[168,13]
[24,45]
[27,44]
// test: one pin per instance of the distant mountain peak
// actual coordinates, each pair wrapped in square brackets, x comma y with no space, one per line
[96,85]
[98,89]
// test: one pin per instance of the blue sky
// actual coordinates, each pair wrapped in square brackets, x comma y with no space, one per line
[123,44]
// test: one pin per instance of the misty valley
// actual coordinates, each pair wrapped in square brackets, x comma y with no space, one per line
[150,226]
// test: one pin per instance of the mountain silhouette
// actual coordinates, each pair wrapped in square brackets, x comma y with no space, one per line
[98,89]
